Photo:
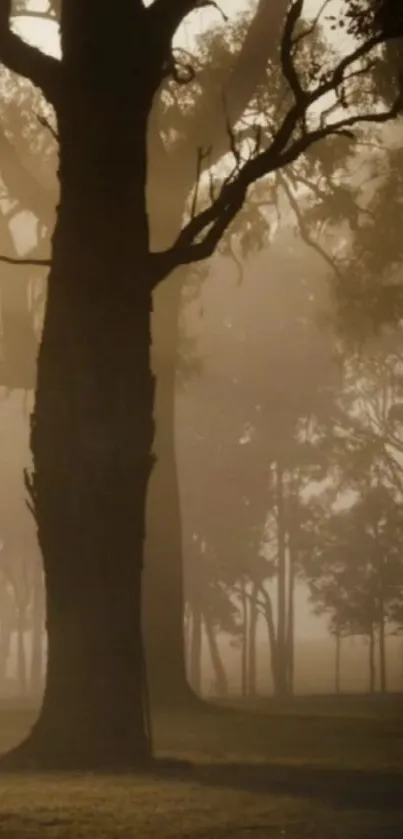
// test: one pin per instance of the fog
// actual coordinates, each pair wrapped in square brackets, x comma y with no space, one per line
[256,353]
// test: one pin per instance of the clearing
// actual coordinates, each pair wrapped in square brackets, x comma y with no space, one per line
[318,768]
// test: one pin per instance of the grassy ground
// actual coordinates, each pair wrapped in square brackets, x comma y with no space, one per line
[323,769]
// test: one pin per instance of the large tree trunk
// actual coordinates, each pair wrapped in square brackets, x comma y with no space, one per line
[92,431]
[163,615]
[171,179]
[163,581]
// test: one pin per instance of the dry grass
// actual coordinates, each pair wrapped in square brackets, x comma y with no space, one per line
[326,770]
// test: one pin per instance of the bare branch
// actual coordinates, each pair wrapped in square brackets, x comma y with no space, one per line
[303,229]
[201,235]
[28,61]
[30,13]
[15,260]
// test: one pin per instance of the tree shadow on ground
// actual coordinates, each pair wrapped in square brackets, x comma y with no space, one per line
[339,788]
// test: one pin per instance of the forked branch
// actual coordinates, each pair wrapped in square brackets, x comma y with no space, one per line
[25,60]
[201,235]
[167,15]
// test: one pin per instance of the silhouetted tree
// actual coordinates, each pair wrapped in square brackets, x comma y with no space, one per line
[90,429]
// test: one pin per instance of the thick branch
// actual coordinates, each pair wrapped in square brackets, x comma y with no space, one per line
[167,15]
[28,61]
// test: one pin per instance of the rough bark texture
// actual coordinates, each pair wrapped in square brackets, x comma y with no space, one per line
[92,428]
[170,181]
[163,579]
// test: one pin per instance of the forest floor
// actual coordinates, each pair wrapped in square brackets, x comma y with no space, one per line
[318,768]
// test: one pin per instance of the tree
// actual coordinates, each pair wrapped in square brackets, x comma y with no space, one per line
[92,427]
[174,161]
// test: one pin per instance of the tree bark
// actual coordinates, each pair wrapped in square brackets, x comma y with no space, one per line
[164,615]
[92,431]
[170,182]
[38,624]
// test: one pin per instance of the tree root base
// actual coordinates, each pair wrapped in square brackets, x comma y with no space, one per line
[36,756]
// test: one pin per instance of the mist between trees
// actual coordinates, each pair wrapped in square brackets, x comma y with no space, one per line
[277,486]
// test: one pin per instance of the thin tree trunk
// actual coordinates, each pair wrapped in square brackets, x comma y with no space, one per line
[381,626]
[18,339]
[244,640]
[281,588]
[253,621]
[5,643]
[221,680]
[271,633]
[290,618]
[7,619]
[382,653]
[21,653]
[171,180]
[337,663]
[187,635]
[196,649]
[371,660]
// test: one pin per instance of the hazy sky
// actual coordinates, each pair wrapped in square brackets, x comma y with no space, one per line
[45,34]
